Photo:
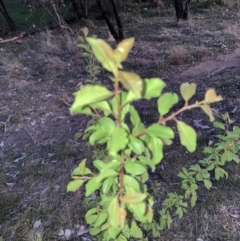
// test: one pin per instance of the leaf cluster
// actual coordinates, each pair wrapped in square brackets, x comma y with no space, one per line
[125,205]
[92,68]
[225,150]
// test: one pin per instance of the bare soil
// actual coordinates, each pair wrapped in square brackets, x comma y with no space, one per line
[37,146]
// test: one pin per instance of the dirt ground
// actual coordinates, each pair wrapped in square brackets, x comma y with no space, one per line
[37,146]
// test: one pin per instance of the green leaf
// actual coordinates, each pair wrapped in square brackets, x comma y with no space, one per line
[111,165]
[163,132]
[149,214]
[117,141]
[188,136]
[165,219]
[90,219]
[82,110]
[86,55]
[94,231]
[156,147]
[132,96]
[107,173]
[105,201]
[210,167]
[105,226]
[123,49]
[136,232]
[89,94]
[103,53]
[136,145]
[148,162]
[107,184]
[120,238]
[208,150]
[219,173]
[81,39]
[76,172]
[139,211]
[83,46]
[219,125]
[92,127]
[82,166]
[74,185]
[114,103]
[131,81]
[91,186]
[131,182]
[113,232]
[134,168]
[199,177]
[87,171]
[179,212]
[153,88]
[193,199]
[98,135]
[103,106]
[113,211]
[207,183]
[107,122]
[181,175]
[100,220]
[99,164]
[134,198]
[77,135]
[236,129]
[165,102]
[134,116]
[137,129]
[144,177]
[90,212]
[124,111]
[188,90]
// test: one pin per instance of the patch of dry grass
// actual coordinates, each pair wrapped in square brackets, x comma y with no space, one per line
[199,53]
[12,66]
[54,62]
[178,55]
[49,42]
[232,30]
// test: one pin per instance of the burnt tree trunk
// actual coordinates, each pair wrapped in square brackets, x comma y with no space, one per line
[182,9]
[7,17]
[79,8]
[118,20]
[117,36]
[84,8]
[76,9]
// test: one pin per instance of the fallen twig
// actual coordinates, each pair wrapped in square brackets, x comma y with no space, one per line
[23,35]
[5,125]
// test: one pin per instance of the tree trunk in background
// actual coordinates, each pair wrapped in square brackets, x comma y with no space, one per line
[118,37]
[76,9]
[7,17]
[80,8]
[118,20]
[84,8]
[182,9]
